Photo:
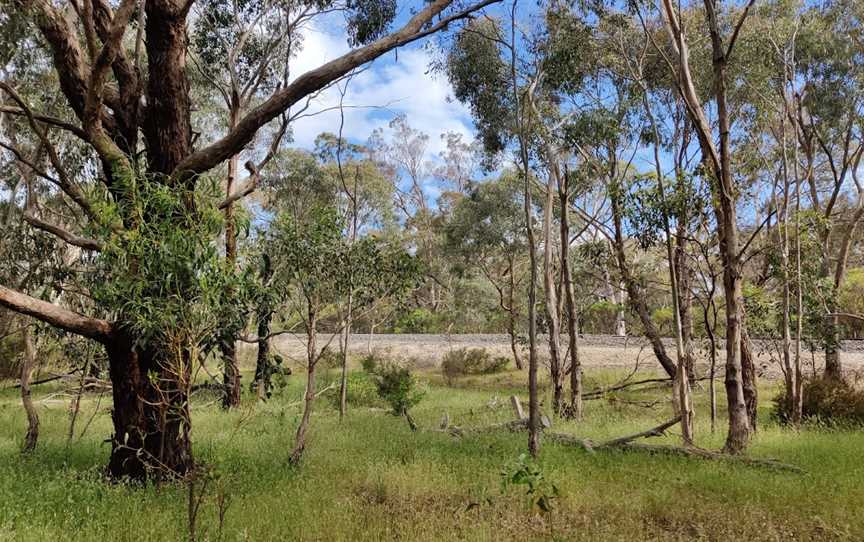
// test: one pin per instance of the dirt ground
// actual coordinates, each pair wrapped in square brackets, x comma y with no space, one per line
[597,351]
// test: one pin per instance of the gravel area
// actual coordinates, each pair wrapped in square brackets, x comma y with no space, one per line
[597,351]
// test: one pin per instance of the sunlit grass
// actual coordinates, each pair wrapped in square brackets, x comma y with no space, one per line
[370,478]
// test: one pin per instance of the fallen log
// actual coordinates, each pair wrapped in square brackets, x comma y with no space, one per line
[626,443]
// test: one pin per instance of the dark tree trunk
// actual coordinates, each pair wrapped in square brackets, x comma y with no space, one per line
[150,415]
[167,122]
[263,367]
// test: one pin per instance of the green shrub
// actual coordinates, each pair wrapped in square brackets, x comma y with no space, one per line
[468,361]
[398,387]
[829,401]
[369,363]
[361,391]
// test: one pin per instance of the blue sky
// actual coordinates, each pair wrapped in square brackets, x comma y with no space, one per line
[397,83]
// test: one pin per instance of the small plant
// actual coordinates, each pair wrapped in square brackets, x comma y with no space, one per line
[468,361]
[361,391]
[398,387]
[827,401]
[369,363]
[541,492]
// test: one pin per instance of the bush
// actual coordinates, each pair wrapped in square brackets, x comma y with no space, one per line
[361,391]
[398,387]
[827,401]
[468,361]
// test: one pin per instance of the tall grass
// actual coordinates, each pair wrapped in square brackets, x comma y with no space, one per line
[370,478]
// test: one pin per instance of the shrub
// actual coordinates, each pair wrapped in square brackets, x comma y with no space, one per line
[468,361]
[826,400]
[398,387]
[361,391]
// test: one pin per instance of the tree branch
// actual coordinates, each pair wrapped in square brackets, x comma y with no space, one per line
[69,237]
[314,80]
[55,315]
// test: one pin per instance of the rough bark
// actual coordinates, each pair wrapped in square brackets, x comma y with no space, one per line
[230,369]
[167,124]
[150,414]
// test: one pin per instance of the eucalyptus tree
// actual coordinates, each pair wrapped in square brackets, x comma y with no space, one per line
[827,106]
[486,232]
[242,51]
[716,154]
[121,90]
[320,268]
[486,70]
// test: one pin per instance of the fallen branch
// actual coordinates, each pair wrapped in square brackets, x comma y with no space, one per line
[51,378]
[658,431]
[693,451]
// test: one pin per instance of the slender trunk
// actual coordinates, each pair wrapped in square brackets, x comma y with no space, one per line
[549,288]
[685,297]
[343,347]
[263,365]
[151,412]
[634,290]
[230,370]
[512,316]
[309,396]
[749,380]
[620,322]
[264,315]
[32,435]
[570,296]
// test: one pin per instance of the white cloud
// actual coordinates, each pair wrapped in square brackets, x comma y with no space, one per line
[394,84]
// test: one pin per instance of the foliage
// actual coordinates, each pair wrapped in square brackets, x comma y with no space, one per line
[542,493]
[397,386]
[826,401]
[362,391]
[165,279]
[468,361]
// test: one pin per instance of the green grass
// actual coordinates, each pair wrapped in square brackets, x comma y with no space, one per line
[370,478]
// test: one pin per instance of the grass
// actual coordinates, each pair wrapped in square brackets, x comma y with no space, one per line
[370,478]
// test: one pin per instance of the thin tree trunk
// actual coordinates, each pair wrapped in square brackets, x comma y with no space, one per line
[309,396]
[29,363]
[521,109]
[230,370]
[549,288]
[343,346]
[512,314]
[570,296]
[634,290]
[264,315]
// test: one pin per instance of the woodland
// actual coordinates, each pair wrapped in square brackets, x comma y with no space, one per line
[626,303]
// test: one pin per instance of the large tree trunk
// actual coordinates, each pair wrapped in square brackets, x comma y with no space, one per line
[32,435]
[151,412]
